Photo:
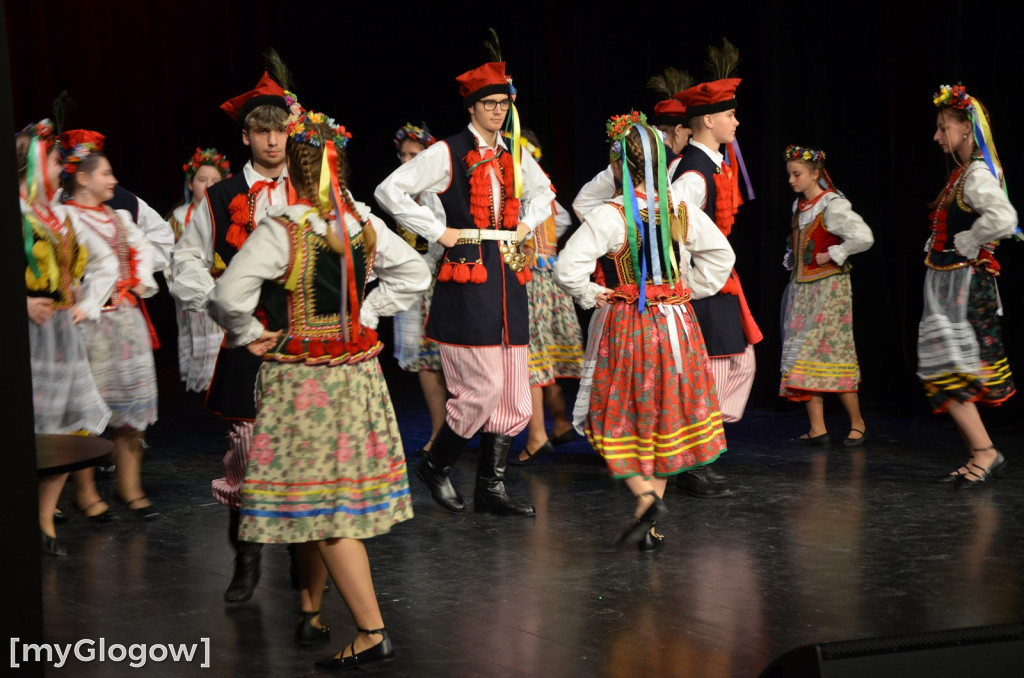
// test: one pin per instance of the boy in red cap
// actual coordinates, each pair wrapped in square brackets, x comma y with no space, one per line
[703,178]
[479,311]
[218,229]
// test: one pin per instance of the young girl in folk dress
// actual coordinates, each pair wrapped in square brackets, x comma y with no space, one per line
[64,397]
[961,359]
[117,333]
[199,337]
[327,468]
[413,350]
[818,354]
[647,400]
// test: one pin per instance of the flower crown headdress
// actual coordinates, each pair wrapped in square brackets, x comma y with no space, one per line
[794,152]
[206,156]
[304,128]
[410,131]
[41,142]
[657,231]
[74,156]
[956,96]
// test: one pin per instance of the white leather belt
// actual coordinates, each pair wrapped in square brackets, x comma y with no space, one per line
[476,235]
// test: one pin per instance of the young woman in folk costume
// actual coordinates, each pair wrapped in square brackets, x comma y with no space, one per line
[818,353]
[199,337]
[117,332]
[64,396]
[647,401]
[413,350]
[556,348]
[327,468]
[961,358]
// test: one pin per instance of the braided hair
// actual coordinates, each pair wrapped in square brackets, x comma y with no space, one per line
[304,163]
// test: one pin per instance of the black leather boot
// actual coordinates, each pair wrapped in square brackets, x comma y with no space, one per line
[247,564]
[435,469]
[490,494]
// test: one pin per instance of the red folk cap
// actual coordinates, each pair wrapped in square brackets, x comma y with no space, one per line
[73,137]
[266,92]
[483,81]
[709,97]
[668,112]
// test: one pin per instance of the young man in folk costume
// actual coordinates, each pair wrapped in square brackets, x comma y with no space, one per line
[669,117]
[218,229]
[703,178]
[479,311]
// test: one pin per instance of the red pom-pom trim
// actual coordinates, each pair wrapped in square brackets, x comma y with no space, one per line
[293,347]
[478,275]
[461,274]
[446,272]
[524,276]
[316,348]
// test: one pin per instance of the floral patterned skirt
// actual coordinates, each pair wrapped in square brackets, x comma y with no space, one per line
[556,341]
[818,353]
[653,410]
[960,350]
[326,459]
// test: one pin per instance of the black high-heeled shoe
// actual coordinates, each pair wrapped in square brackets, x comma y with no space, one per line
[307,634]
[52,546]
[651,542]
[382,651]
[645,522]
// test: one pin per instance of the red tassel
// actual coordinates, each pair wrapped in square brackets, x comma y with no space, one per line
[461,274]
[236,236]
[524,276]
[446,272]
[293,347]
[316,348]
[335,347]
[478,275]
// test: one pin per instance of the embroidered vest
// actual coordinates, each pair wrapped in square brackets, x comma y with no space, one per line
[621,276]
[950,219]
[811,240]
[219,197]
[310,314]
[694,159]
[60,260]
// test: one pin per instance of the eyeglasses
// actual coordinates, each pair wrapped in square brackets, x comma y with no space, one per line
[491,104]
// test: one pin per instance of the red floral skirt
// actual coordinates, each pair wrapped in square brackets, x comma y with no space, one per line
[653,410]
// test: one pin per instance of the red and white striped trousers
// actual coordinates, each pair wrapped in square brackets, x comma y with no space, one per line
[734,375]
[490,388]
[228,490]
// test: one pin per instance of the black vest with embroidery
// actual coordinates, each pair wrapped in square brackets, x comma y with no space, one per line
[306,303]
[470,314]
[947,221]
[621,275]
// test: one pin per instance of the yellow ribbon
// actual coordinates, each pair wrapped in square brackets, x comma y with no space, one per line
[517,167]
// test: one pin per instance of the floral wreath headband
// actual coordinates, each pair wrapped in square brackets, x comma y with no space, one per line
[410,131]
[303,128]
[956,96]
[74,156]
[794,152]
[618,126]
[44,131]
[206,156]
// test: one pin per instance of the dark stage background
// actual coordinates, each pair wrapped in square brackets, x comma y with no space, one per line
[853,79]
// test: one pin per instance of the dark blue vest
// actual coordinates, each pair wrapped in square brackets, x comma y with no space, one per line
[470,314]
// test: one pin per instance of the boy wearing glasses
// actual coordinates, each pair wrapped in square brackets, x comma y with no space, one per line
[479,312]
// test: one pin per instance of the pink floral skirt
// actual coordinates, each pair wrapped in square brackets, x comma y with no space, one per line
[326,458]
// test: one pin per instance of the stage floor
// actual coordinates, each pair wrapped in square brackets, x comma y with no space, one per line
[815,545]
